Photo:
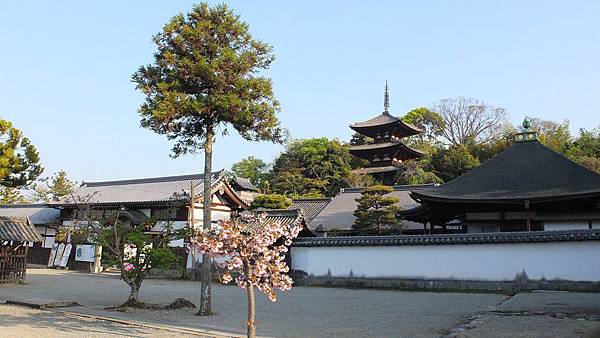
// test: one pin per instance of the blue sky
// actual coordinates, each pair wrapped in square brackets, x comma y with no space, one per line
[65,70]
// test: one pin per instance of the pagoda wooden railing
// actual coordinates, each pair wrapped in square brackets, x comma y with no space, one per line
[13,262]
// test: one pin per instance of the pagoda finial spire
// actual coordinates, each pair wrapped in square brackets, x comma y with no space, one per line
[386,99]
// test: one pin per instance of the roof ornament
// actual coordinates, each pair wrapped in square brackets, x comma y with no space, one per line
[386,99]
[528,134]
[527,124]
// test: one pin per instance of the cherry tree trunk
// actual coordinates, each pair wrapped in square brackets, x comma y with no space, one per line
[134,294]
[205,294]
[251,313]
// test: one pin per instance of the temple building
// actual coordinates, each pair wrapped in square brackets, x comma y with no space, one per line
[386,151]
[527,187]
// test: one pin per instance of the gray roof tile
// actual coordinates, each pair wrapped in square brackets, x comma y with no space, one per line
[146,190]
[18,229]
[37,213]
[449,239]
[339,213]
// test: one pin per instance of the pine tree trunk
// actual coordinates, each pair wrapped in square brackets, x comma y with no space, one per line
[205,294]
[251,313]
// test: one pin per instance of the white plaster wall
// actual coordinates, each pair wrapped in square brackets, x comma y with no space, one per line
[494,262]
[566,225]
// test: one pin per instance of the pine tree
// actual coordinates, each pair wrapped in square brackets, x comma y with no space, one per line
[375,210]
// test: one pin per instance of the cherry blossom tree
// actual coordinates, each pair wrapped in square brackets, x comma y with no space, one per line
[251,250]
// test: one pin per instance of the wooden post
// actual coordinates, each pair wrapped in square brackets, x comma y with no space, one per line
[97,259]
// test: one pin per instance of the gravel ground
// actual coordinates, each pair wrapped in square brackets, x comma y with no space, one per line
[19,321]
[328,312]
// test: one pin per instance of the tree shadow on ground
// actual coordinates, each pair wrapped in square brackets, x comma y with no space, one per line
[17,316]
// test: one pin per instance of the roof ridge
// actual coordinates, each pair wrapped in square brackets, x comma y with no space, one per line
[397,187]
[148,180]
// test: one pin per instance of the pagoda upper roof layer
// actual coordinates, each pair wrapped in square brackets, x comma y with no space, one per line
[385,121]
[398,148]
[525,171]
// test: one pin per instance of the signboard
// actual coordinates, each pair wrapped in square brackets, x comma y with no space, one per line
[85,253]
[52,254]
[59,253]
[65,257]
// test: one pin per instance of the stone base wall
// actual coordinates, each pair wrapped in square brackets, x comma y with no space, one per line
[519,284]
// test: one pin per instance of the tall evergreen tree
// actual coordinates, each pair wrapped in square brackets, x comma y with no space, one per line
[204,79]
[53,188]
[19,159]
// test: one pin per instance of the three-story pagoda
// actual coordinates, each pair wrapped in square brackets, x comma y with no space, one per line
[387,151]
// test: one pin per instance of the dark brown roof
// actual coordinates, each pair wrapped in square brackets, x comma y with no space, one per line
[365,150]
[450,239]
[19,229]
[384,119]
[525,171]
[310,207]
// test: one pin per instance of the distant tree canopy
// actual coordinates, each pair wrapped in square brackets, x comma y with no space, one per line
[452,141]
[467,120]
[271,201]
[254,169]
[311,167]
[10,195]
[585,150]
[51,189]
[375,210]
[430,122]
[19,159]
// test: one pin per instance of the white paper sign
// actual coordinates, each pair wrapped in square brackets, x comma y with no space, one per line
[65,257]
[59,253]
[52,255]
[85,253]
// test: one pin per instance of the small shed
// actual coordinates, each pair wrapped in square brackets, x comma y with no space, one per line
[15,233]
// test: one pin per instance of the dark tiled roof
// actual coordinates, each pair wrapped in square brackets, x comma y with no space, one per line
[383,119]
[526,170]
[449,239]
[311,207]
[18,229]
[339,213]
[145,190]
[244,183]
[37,213]
[281,216]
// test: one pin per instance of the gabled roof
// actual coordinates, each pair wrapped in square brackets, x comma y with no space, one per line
[525,171]
[339,212]
[19,229]
[311,207]
[37,213]
[281,216]
[243,183]
[146,190]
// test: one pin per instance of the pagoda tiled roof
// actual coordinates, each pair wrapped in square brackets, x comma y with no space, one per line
[525,171]
[370,147]
[383,120]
